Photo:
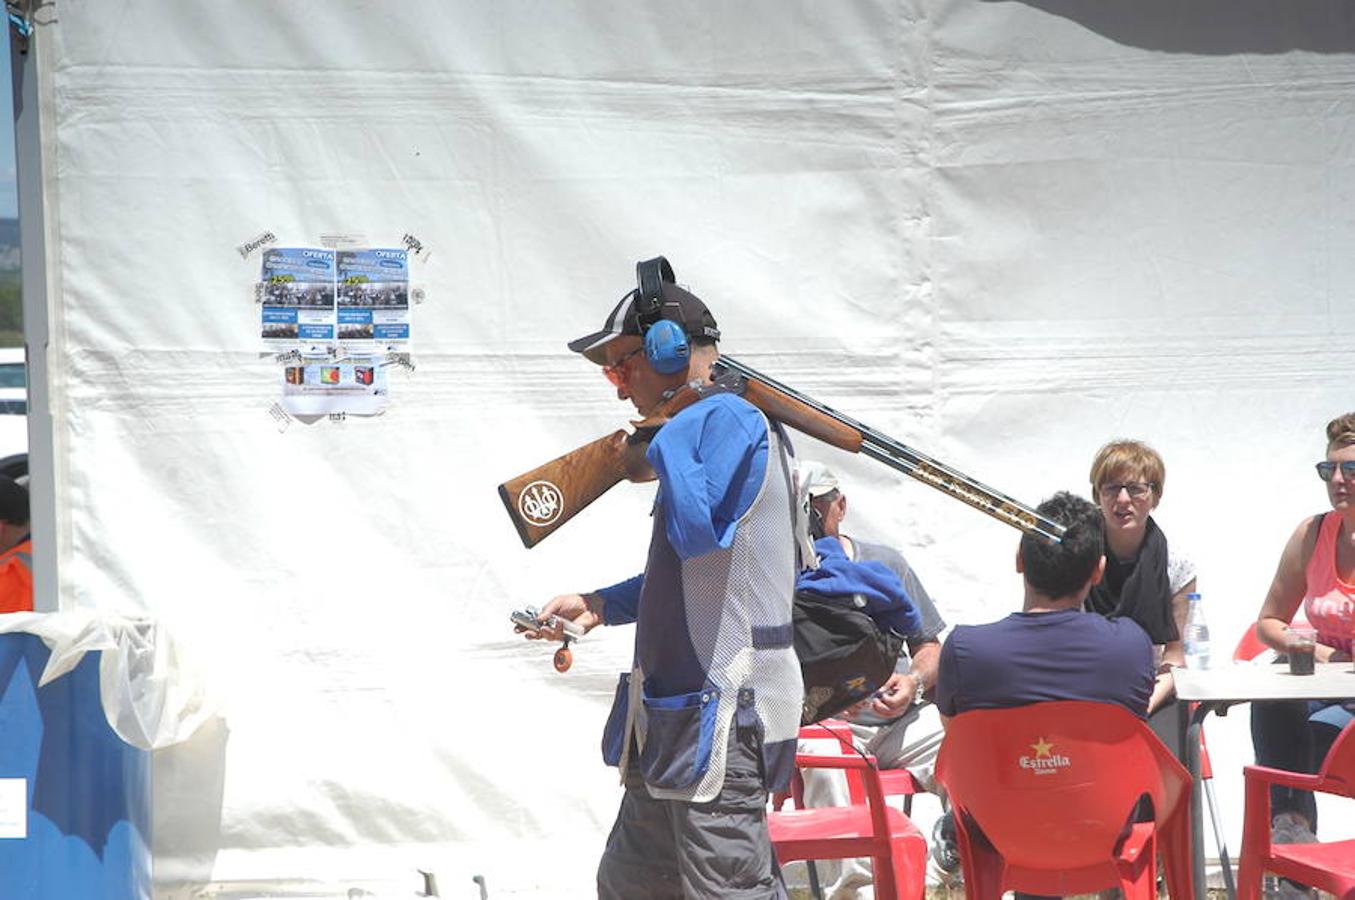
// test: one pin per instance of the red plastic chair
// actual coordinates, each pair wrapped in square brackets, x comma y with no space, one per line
[900,783]
[870,828]
[894,782]
[1045,796]
[834,730]
[1327,866]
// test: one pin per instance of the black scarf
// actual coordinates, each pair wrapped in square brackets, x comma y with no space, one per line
[1139,588]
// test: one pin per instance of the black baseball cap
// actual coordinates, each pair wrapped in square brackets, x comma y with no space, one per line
[13,501]
[679,305]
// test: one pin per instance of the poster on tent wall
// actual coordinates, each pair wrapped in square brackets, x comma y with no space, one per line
[316,387]
[298,299]
[373,298]
[336,316]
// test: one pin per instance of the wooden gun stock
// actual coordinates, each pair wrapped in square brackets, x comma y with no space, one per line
[542,500]
[547,497]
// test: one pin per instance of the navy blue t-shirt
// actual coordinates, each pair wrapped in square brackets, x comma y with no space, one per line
[1034,657]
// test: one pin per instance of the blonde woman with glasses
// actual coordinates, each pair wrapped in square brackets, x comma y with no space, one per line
[1146,579]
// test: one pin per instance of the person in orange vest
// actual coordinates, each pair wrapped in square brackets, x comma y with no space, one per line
[16,549]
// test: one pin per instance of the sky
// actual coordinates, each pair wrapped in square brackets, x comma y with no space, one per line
[9,206]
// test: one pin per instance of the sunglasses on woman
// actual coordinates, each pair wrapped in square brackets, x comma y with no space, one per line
[1325,470]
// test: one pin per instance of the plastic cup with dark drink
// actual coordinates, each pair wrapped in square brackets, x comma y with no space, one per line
[1300,644]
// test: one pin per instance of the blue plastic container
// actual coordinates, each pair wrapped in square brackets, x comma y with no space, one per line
[88,792]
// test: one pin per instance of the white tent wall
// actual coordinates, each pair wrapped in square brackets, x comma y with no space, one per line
[1001,232]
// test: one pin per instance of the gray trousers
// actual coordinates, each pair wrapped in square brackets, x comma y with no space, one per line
[674,850]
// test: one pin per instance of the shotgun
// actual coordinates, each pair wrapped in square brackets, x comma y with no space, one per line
[540,501]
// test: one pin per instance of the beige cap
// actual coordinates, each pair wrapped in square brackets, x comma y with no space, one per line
[816,479]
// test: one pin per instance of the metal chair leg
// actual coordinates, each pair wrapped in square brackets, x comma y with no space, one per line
[1228,884]
[815,889]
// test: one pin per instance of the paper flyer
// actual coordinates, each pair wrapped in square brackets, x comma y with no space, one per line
[323,386]
[373,300]
[13,808]
[336,320]
[298,298]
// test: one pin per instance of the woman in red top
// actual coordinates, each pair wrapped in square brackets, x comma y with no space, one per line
[1317,570]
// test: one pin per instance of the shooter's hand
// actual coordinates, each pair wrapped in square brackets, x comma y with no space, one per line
[583,610]
[633,460]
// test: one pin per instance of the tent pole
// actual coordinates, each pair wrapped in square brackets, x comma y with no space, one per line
[23,51]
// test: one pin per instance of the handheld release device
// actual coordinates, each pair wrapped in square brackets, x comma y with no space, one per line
[529,619]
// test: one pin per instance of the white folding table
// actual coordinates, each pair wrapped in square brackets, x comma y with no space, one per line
[1214,690]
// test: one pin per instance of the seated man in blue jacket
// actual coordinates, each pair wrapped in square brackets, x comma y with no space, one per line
[899,727]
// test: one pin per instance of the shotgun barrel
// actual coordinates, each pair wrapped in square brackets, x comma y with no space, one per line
[897,455]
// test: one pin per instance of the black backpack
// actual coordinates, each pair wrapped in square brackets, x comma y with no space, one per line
[844,655]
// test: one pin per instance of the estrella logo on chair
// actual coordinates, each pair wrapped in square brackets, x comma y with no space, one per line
[1045,761]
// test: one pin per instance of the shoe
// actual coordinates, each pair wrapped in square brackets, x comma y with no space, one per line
[850,887]
[945,851]
[1292,890]
[1291,828]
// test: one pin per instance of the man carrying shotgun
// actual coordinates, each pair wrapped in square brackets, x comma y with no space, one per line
[705,723]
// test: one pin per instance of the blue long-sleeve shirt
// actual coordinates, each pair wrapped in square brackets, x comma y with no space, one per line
[711,459]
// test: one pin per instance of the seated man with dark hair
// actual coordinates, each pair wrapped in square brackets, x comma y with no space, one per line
[1050,650]
[16,550]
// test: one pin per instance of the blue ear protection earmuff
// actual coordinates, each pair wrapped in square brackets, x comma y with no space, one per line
[666,345]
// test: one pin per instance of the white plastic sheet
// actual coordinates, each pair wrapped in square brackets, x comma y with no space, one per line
[149,692]
[1003,232]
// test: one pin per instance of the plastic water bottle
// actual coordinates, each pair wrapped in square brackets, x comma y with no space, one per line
[1196,637]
